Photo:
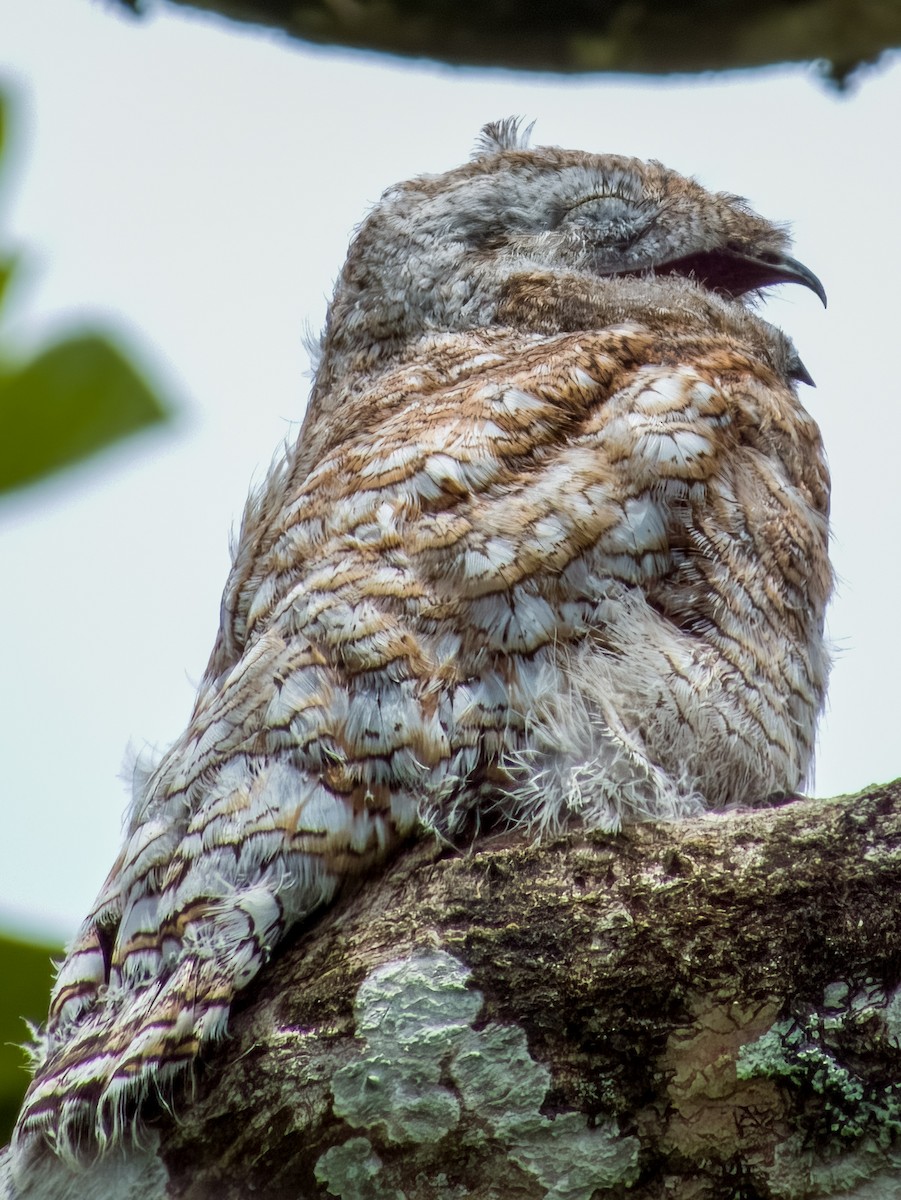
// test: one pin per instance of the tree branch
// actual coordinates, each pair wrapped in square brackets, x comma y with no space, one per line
[697,1011]
[614,35]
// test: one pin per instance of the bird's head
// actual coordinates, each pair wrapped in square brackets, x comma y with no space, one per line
[439,252]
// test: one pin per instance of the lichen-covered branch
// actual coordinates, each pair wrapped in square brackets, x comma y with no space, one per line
[617,35]
[698,1011]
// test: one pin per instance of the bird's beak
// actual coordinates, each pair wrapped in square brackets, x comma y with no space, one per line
[735,272]
[782,268]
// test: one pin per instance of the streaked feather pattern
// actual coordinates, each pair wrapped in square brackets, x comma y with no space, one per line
[551,548]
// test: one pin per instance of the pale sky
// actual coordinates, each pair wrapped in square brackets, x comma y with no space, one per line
[193,184]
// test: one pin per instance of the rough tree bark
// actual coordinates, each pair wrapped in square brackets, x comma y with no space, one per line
[702,1011]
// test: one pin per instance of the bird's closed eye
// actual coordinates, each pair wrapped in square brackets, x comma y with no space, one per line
[614,220]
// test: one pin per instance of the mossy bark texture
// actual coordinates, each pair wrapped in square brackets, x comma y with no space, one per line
[702,1011]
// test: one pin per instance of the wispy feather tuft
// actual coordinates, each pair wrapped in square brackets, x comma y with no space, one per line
[506,134]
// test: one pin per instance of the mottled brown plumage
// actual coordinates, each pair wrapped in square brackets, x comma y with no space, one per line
[551,548]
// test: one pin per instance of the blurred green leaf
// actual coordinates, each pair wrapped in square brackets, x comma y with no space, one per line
[27,974]
[67,403]
[7,270]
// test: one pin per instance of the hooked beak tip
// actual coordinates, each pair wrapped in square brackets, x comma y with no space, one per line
[793,271]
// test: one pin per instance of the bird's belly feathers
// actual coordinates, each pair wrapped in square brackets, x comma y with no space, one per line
[575,597]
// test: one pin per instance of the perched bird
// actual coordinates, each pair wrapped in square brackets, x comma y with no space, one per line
[550,549]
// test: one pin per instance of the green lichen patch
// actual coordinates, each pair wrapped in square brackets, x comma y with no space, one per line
[424,1072]
[412,1015]
[498,1078]
[821,1057]
[352,1169]
[569,1159]
[419,1001]
[891,1018]
[402,1098]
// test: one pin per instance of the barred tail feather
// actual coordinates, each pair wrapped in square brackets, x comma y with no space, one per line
[132,1042]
